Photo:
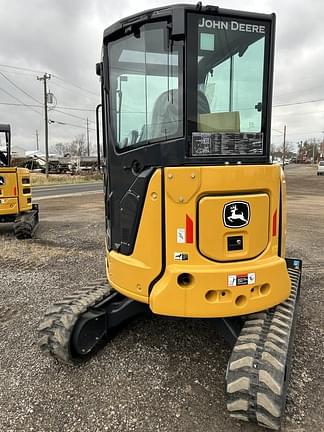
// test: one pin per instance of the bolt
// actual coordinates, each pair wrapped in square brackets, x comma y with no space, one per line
[193,175]
[154,195]
[170,176]
[181,199]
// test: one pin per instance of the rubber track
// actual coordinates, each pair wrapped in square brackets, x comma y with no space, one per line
[258,370]
[25,224]
[23,230]
[56,328]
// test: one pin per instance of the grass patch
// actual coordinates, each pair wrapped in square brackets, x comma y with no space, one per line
[38,179]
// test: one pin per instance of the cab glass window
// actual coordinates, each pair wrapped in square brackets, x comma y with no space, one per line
[230,56]
[145,76]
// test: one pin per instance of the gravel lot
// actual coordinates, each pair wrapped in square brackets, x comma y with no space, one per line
[156,375]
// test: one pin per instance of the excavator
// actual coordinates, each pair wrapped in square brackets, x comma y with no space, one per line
[15,192]
[195,212]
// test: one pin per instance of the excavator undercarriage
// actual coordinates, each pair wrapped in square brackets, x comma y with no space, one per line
[258,370]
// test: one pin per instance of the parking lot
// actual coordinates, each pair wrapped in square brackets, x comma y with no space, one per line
[155,375]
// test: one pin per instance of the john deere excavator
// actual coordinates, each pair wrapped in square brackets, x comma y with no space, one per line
[195,211]
[15,192]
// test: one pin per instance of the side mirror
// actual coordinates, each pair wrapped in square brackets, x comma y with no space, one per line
[99,68]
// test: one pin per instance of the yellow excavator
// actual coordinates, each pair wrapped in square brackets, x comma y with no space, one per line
[195,212]
[15,192]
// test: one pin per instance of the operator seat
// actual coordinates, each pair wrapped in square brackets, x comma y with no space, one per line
[166,116]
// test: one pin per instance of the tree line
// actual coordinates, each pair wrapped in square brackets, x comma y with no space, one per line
[77,147]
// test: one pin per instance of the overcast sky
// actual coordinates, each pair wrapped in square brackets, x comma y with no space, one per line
[63,38]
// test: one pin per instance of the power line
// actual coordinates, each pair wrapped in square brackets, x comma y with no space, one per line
[75,85]
[35,71]
[15,72]
[40,106]
[77,108]
[69,124]
[69,88]
[298,103]
[19,88]
[71,115]
[299,91]
[21,68]
[17,99]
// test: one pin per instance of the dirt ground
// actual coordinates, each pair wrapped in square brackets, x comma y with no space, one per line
[155,375]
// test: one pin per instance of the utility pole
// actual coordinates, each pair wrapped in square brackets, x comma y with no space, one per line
[88,142]
[284,148]
[37,143]
[44,78]
[313,156]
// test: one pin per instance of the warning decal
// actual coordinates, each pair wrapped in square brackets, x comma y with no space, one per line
[241,279]
[180,256]
[181,235]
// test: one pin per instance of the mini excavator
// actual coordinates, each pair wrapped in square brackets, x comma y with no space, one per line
[195,212]
[15,192]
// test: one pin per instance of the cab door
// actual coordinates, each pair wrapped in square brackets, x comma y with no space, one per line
[143,121]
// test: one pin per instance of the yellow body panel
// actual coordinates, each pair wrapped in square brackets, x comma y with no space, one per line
[24,189]
[284,214]
[132,275]
[198,285]
[208,294]
[15,193]
[8,206]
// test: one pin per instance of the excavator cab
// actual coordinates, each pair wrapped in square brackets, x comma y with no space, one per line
[195,211]
[15,191]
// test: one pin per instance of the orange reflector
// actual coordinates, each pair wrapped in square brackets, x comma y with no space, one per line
[274,223]
[14,191]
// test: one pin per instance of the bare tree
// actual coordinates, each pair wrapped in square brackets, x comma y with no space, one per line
[58,148]
[77,147]
[287,150]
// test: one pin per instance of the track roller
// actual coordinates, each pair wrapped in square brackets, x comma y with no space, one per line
[259,367]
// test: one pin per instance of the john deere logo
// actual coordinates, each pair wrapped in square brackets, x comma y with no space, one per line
[236,214]
[2,181]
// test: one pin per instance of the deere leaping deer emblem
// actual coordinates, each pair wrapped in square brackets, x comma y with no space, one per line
[236,214]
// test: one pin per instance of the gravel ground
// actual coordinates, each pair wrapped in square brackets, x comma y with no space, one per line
[156,375]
